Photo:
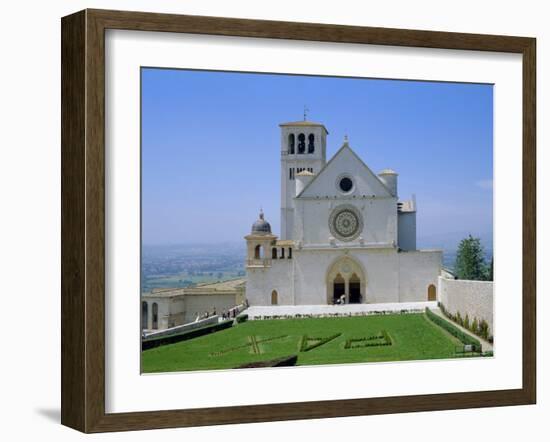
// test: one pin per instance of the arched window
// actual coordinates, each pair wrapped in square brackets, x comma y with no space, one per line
[155,325]
[291,141]
[258,252]
[290,253]
[282,252]
[144,315]
[311,143]
[301,143]
[274,253]
[432,294]
[274,297]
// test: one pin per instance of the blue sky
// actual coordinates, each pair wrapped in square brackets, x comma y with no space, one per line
[211,147]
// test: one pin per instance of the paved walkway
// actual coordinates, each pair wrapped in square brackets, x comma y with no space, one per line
[485,345]
[255,312]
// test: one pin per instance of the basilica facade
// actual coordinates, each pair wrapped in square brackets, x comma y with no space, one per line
[346,236]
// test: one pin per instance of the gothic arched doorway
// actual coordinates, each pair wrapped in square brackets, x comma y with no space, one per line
[346,282]
[274,298]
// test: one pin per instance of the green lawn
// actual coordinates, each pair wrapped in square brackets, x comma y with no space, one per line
[412,336]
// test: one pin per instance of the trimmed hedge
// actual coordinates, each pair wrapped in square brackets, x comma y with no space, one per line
[455,331]
[287,361]
[382,339]
[147,344]
[305,346]
[252,342]
[241,318]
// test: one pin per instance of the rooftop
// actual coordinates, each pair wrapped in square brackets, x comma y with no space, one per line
[406,206]
[223,285]
[304,123]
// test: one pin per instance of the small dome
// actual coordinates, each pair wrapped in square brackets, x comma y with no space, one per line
[261,226]
[387,172]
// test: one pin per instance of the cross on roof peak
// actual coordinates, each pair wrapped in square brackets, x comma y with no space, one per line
[306,110]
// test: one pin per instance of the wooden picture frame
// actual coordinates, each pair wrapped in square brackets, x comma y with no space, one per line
[83,220]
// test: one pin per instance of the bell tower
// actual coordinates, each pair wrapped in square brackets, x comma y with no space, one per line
[303,148]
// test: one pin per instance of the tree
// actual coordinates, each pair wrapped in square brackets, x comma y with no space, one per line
[470,261]
[490,270]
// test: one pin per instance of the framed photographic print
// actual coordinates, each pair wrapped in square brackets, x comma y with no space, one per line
[270,220]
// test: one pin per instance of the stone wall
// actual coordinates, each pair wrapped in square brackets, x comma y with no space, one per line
[474,298]
[417,271]
[199,304]
[185,327]
[262,281]
[386,276]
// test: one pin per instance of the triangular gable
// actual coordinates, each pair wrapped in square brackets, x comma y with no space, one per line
[347,162]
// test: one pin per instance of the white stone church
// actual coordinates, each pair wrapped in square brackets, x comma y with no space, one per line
[345,234]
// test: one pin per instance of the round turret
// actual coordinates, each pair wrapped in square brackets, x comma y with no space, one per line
[261,226]
[389,178]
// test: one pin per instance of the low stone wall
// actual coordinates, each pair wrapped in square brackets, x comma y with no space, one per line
[472,298]
[329,311]
[185,327]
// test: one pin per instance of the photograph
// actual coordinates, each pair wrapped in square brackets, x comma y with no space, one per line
[254,221]
[302,220]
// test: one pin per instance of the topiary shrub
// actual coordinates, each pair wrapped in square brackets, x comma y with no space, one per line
[459,319]
[308,343]
[253,344]
[466,322]
[475,326]
[484,329]
[381,339]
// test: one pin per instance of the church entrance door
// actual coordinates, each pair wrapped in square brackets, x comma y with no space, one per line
[339,290]
[354,292]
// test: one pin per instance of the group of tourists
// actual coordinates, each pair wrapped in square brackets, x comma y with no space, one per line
[205,315]
[226,314]
[230,314]
[341,300]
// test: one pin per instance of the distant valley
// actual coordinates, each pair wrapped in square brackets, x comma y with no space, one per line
[186,265]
